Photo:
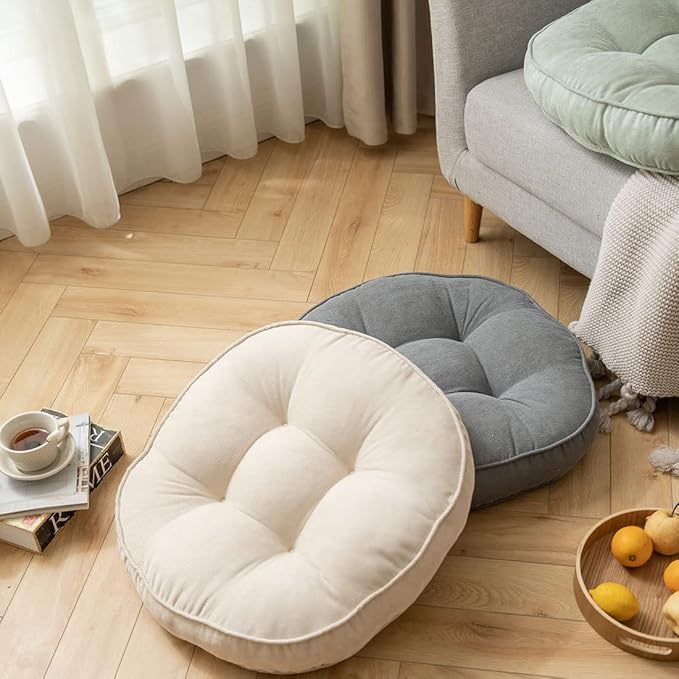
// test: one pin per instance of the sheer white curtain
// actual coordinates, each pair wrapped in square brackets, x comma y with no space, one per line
[98,96]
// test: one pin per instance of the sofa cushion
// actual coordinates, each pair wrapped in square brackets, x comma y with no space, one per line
[507,132]
[608,74]
[299,496]
[516,375]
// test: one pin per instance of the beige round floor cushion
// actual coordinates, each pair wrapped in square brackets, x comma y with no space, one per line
[297,498]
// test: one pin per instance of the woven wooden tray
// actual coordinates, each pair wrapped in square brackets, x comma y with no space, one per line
[646,634]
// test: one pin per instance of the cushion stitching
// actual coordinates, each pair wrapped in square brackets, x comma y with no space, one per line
[453,316]
[613,154]
[312,437]
[191,476]
[594,405]
[238,508]
[591,98]
[465,470]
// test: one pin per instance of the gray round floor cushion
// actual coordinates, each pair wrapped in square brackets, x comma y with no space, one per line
[517,376]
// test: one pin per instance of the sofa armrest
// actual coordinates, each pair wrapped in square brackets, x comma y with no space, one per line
[474,40]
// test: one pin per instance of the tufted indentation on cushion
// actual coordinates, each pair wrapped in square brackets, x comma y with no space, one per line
[608,74]
[516,376]
[299,495]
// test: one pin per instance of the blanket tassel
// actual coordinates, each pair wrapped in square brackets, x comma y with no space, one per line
[642,418]
[665,459]
[639,409]
[629,400]
[596,366]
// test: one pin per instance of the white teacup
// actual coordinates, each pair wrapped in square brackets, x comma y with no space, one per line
[33,459]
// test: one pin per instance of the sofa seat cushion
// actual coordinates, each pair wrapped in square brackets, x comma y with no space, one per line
[516,376]
[508,133]
[608,74]
[299,496]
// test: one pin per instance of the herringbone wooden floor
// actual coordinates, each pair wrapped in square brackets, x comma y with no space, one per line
[115,322]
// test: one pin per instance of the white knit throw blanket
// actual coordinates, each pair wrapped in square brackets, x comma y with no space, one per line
[631,314]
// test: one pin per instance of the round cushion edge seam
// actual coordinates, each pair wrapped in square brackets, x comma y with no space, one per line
[466,454]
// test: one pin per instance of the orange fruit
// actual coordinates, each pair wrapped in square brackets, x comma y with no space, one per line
[631,546]
[671,576]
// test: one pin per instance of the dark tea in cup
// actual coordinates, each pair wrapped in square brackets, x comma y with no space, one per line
[29,439]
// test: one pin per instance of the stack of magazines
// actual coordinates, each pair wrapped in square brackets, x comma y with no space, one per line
[33,512]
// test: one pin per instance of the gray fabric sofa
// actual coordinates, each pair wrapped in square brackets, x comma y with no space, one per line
[498,148]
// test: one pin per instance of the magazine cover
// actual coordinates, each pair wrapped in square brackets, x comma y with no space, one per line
[68,489]
[36,531]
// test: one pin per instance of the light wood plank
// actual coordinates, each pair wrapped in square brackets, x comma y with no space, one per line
[440,188]
[13,267]
[419,671]
[353,668]
[572,292]
[14,564]
[511,643]
[281,180]
[520,536]
[175,309]
[492,254]
[21,321]
[105,615]
[153,652]
[442,245]
[42,373]
[539,277]
[237,182]
[177,221]
[134,416]
[525,247]
[417,162]
[503,587]
[169,194]
[160,277]
[586,490]
[307,228]
[153,247]
[153,377]
[353,229]
[159,341]
[164,410]
[49,590]
[634,483]
[400,227]
[90,385]
[211,171]
[536,501]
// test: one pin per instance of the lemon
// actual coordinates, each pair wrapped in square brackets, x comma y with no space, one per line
[616,600]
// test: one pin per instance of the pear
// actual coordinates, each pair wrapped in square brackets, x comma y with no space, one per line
[670,612]
[663,528]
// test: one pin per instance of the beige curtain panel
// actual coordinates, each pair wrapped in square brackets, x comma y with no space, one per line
[387,72]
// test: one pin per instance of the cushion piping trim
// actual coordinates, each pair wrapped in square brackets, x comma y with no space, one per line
[530,59]
[536,451]
[608,151]
[465,454]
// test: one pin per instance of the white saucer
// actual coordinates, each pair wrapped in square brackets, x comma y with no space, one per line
[64,456]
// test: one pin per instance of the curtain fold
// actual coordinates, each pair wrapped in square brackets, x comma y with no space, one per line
[101,96]
[387,66]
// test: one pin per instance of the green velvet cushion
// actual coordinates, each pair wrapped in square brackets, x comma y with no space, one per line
[608,74]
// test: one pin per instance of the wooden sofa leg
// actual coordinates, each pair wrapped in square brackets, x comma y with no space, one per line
[472,220]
